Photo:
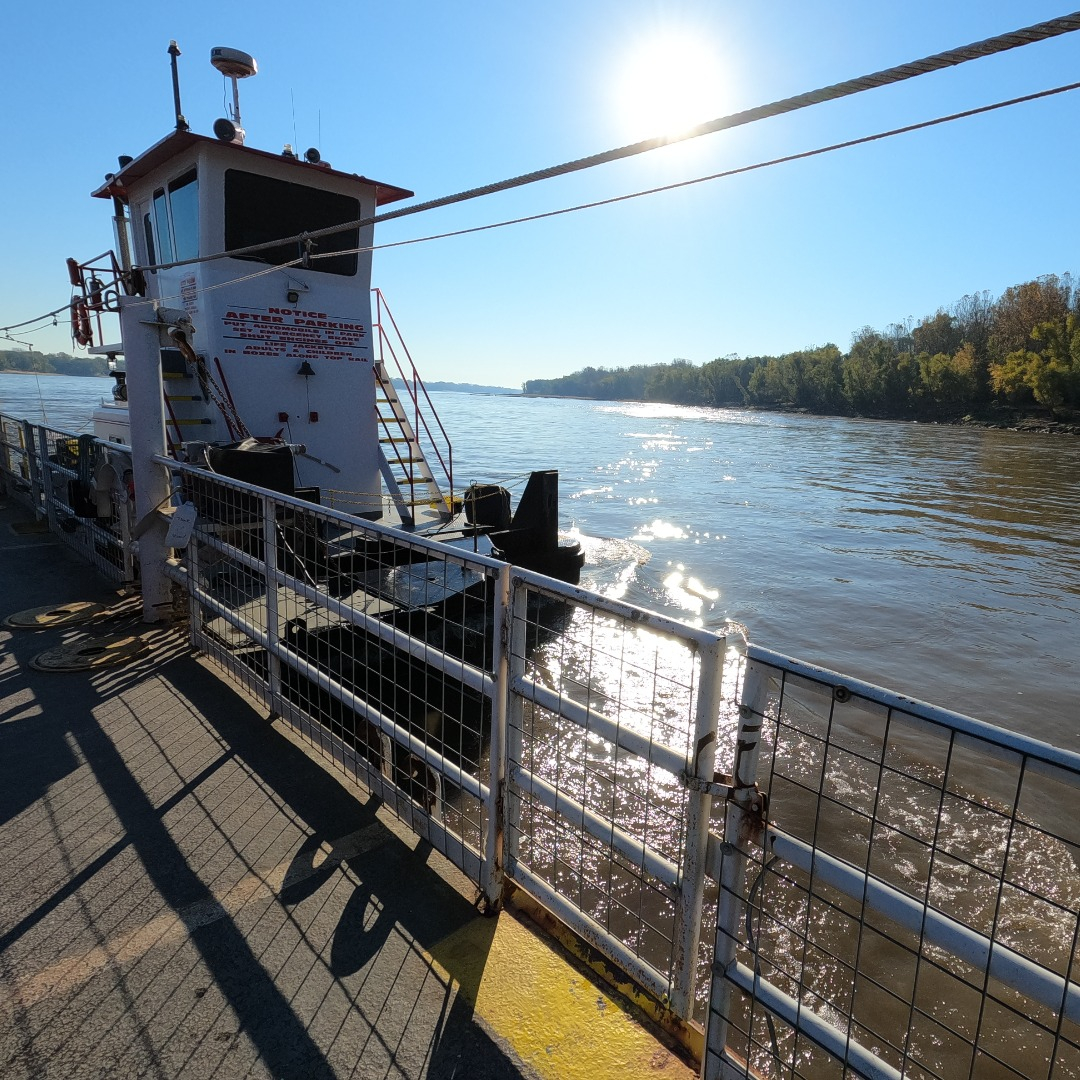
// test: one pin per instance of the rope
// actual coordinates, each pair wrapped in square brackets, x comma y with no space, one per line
[218,397]
[675,185]
[937,62]
[37,318]
[753,943]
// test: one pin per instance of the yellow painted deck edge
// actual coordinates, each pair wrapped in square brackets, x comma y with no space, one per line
[552,1016]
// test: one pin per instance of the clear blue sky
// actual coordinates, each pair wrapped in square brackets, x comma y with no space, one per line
[440,97]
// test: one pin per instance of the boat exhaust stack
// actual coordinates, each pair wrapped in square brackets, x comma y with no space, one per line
[235,65]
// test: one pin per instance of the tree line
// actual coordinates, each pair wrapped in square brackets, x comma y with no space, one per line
[1019,352]
[52,363]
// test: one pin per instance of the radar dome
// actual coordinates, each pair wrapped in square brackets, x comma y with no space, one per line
[233,63]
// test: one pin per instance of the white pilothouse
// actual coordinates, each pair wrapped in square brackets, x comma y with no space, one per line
[243,285]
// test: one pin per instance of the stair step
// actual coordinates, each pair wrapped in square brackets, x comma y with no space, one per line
[184,397]
[407,482]
[184,421]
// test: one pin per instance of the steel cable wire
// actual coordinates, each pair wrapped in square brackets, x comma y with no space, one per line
[950,58]
[889,76]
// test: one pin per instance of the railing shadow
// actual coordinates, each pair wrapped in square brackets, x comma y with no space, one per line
[384,906]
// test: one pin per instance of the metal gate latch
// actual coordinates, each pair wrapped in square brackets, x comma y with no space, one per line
[719,786]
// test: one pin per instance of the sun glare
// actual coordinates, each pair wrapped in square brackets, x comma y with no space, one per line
[666,85]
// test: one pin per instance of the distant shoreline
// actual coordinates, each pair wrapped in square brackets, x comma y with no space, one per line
[50,374]
[1035,425]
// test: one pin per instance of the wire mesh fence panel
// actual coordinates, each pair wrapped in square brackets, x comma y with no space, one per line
[606,705]
[911,903]
[89,499]
[17,458]
[375,648]
[897,887]
[80,484]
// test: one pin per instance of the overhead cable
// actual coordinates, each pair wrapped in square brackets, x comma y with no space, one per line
[738,170]
[937,62]
[612,200]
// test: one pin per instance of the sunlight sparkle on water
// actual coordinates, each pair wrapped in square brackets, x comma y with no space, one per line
[660,530]
[688,592]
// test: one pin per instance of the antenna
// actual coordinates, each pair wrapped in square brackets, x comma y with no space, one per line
[174,52]
[235,65]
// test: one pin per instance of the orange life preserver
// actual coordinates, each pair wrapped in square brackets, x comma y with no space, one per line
[80,322]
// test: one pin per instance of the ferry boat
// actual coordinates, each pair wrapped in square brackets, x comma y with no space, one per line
[249,344]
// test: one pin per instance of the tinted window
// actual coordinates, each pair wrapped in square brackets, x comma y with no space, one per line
[184,205]
[259,209]
[151,251]
[161,227]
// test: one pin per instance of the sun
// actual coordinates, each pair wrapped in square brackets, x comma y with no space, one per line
[668,84]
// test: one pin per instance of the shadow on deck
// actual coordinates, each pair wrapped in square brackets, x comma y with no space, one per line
[186,893]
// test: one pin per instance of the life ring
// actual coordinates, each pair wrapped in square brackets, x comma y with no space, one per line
[75,274]
[80,322]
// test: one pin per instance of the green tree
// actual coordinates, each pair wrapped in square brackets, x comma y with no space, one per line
[1023,307]
[937,334]
[1049,375]
[950,382]
[823,381]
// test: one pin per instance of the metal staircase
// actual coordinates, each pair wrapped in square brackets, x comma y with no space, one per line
[403,464]
[407,471]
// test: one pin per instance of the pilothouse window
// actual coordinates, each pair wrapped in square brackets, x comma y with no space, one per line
[148,235]
[161,227]
[259,209]
[172,228]
[184,209]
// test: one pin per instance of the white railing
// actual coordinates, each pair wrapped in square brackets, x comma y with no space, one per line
[80,486]
[900,891]
[824,878]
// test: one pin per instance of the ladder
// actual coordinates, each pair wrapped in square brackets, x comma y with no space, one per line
[185,404]
[404,467]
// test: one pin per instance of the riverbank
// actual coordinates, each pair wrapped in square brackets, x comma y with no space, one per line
[1004,420]
[53,374]
[1033,424]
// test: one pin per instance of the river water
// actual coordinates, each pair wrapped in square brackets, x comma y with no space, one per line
[937,561]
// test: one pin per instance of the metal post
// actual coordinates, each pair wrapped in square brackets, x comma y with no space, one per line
[270,563]
[174,52]
[195,609]
[33,465]
[742,823]
[142,341]
[125,511]
[492,879]
[698,813]
[46,477]
[518,606]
